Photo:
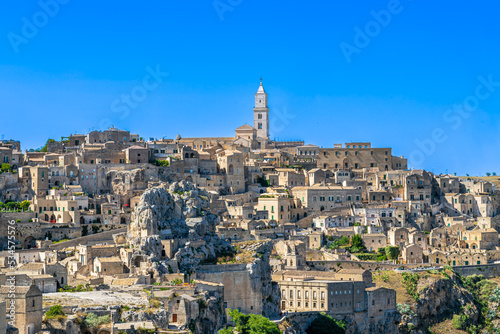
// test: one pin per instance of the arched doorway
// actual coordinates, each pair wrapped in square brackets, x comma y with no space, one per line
[346,163]
[29,242]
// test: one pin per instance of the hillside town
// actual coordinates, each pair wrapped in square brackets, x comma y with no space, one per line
[115,232]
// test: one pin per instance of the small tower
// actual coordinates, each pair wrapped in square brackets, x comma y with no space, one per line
[261,113]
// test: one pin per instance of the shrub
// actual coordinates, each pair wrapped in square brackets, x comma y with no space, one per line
[459,321]
[252,323]
[410,282]
[93,321]
[54,312]
[403,308]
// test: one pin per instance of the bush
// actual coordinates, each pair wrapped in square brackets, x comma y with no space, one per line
[460,321]
[253,323]
[410,282]
[54,312]
[93,321]
[339,242]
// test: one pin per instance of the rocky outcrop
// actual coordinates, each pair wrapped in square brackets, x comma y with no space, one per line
[438,299]
[176,211]
[121,182]
[387,324]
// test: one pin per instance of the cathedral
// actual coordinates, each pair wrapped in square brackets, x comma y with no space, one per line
[256,137]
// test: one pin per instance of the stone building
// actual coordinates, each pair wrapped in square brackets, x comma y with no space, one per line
[261,113]
[398,236]
[293,253]
[357,156]
[339,294]
[326,197]
[27,302]
[108,266]
[412,254]
[278,206]
[374,241]
[479,239]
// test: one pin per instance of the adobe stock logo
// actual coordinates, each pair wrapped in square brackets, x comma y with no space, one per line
[30,28]
[455,117]
[222,6]
[280,120]
[372,29]
[138,94]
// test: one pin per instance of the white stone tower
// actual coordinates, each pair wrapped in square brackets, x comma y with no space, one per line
[261,113]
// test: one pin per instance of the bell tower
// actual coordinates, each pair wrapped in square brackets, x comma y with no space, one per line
[261,113]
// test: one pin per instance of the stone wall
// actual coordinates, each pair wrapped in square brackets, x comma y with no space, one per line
[487,270]
[340,264]
[92,239]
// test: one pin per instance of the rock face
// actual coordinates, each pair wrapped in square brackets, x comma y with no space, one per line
[121,182]
[388,324]
[260,275]
[177,211]
[439,298]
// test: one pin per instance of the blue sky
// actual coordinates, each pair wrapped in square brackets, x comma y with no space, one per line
[69,73]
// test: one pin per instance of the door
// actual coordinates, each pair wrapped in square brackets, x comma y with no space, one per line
[174,317]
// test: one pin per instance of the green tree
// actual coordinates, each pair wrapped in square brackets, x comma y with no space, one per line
[392,252]
[357,242]
[50,140]
[488,174]
[263,182]
[326,324]
[85,230]
[5,167]
[252,323]
[25,205]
